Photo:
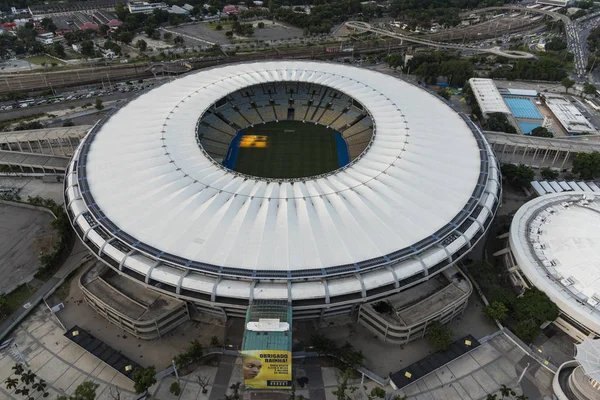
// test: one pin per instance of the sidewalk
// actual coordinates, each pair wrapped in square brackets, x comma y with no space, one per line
[78,253]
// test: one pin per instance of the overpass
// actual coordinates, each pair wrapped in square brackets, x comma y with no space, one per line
[538,152]
[442,45]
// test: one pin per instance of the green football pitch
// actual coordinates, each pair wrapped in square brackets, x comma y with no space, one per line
[287,149]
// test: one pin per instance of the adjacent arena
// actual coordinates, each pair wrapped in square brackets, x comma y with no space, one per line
[411,187]
[554,242]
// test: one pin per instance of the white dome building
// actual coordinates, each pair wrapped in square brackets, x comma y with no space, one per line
[151,200]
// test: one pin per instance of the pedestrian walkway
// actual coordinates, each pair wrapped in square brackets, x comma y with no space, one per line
[78,253]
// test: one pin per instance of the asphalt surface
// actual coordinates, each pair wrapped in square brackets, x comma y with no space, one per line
[49,108]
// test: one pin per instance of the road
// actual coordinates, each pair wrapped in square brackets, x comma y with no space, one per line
[467,47]
[49,108]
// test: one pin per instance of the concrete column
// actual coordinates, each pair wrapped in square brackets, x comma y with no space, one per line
[51,148]
[554,159]
[565,159]
[534,155]
[544,158]
[524,153]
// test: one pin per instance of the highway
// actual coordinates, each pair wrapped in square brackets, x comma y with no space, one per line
[443,45]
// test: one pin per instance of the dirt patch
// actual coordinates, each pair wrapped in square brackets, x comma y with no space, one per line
[44,244]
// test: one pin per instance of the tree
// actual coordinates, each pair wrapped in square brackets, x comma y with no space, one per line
[178,40]
[104,29]
[99,105]
[219,27]
[445,93]
[491,397]
[167,36]
[141,44]
[530,311]
[11,383]
[229,34]
[587,165]
[261,25]
[85,391]
[588,88]
[496,310]
[3,305]
[567,83]
[343,390]
[203,381]
[439,336]
[28,377]
[506,391]
[121,11]
[378,392]
[235,387]
[498,122]
[549,174]
[540,131]
[175,388]
[517,175]
[143,378]
[87,48]
[125,37]
[58,50]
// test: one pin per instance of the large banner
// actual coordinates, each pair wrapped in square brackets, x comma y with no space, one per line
[267,369]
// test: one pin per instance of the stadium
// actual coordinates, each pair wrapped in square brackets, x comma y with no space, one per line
[323,185]
[553,245]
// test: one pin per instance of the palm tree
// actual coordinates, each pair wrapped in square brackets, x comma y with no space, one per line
[41,387]
[24,391]
[522,397]
[491,397]
[28,377]
[11,383]
[506,391]
[18,368]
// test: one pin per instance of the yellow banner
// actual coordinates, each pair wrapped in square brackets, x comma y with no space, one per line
[267,369]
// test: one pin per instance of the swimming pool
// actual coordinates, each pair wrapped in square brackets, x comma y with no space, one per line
[522,108]
[527,127]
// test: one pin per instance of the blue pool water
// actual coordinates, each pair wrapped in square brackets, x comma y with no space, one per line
[522,108]
[527,127]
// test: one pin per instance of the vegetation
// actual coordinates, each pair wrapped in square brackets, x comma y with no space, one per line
[540,131]
[193,354]
[498,122]
[347,355]
[517,175]
[175,388]
[445,93]
[439,336]
[525,314]
[344,390]
[496,311]
[549,174]
[430,66]
[99,105]
[26,383]
[567,83]
[587,165]
[143,378]
[203,381]
[85,391]
[235,395]
[543,68]
[49,262]
[378,392]
[24,126]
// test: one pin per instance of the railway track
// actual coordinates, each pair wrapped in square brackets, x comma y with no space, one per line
[36,81]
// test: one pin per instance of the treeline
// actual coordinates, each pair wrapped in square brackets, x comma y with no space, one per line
[322,18]
[541,69]
[444,12]
[430,66]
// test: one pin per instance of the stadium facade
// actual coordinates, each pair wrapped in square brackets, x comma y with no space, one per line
[150,197]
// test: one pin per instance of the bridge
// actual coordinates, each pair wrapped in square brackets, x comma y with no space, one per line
[363,26]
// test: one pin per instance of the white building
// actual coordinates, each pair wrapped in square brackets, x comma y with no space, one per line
[488,97]
[569,115]
[145,7]
[554,245]
[146,193]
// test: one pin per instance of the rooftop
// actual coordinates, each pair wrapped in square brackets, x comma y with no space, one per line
[488,97]
[556,242]
[268,340]
[568,115]
[127,297]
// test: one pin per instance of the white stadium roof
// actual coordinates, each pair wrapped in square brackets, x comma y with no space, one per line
[425,188]
[556,243]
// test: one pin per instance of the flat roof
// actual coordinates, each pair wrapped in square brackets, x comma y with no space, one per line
[568,115]
[126,296]
[268,340]
[45,134]
[488,97]
[556,243]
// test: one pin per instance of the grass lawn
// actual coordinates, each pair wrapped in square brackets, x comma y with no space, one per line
[273,151]
[17,297]
[39,60]
[226,26]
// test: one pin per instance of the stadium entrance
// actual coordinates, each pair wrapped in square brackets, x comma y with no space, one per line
[287,149]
